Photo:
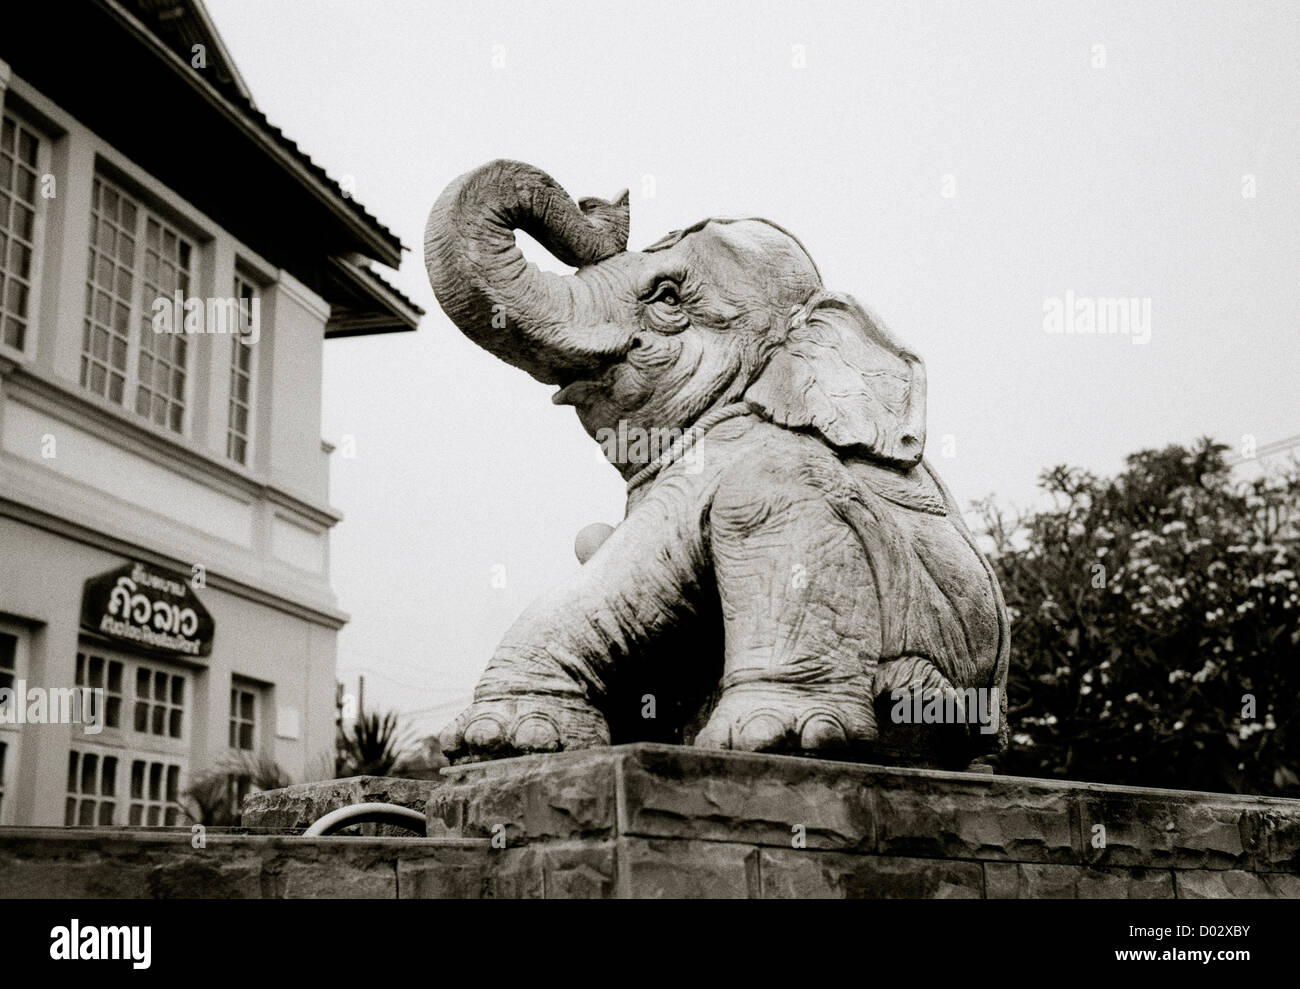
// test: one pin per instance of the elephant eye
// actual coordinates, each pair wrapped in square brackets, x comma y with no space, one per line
[665,292]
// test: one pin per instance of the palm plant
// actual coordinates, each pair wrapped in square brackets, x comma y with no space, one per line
[372,747]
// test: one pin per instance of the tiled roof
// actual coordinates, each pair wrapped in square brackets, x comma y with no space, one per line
[180,24]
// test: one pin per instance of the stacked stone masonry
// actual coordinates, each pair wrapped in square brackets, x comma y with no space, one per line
[665,821]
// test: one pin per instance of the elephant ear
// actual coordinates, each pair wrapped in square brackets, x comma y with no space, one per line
[841,374]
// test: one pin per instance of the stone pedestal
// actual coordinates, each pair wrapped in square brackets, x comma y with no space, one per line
[656,820]
[660,820]
[293,809]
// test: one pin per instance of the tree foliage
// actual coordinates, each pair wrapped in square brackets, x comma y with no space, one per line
[1155,625]
[372,747]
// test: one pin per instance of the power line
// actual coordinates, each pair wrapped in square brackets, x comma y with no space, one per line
[1267,450]
[391,679]
[410,667]
[461,702]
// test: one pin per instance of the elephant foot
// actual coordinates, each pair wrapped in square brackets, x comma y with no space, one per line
[790,718]
[500,727]
[926,719]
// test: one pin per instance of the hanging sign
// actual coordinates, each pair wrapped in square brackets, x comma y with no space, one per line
[148,607]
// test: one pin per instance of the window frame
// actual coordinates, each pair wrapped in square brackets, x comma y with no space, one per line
[241,277]
[44,166]
[17,672]
[76,794]
[8,757]
[168,803]
[129,746]
[165,744]
[240,687]
[86,654]
[139,309]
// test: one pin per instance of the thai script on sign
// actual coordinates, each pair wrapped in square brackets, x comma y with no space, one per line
[165,616]
[149,608]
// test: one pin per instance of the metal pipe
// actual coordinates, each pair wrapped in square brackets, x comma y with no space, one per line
[337,820]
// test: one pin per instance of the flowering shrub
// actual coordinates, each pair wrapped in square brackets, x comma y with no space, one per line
[1155,625]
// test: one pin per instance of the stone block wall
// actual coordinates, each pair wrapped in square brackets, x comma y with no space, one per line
[666,821]
[655,820]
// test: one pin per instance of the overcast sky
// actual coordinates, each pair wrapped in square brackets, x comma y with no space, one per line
[954,166]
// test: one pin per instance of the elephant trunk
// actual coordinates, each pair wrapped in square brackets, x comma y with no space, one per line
[531,319]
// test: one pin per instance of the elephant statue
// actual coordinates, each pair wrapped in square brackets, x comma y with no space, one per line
[790,576]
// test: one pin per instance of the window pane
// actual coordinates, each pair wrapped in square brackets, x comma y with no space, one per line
[109,786]
[27,146]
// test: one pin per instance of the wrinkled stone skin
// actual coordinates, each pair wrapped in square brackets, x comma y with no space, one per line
[789,564]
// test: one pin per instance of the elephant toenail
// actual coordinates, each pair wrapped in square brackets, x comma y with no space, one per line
[537,733]
[713,736]
[762,731]
[821,731]
[484,733]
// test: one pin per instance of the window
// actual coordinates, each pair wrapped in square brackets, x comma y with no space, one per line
[19,147]
[241,376]
[135,259]
[97,672]
[8,660]
[92,789]
[243,717]
[151,696]
[155,793]
[11,656]
[159,702]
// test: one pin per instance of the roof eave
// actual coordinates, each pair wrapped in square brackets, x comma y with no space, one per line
[388,311]
[386,249]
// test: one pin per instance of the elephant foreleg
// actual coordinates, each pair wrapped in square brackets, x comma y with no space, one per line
[801,615]
[548,680]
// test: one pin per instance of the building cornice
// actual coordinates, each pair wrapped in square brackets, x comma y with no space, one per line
[317,614]
[304,296]
[123,429]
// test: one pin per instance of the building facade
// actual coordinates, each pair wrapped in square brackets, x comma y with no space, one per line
[164,511]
